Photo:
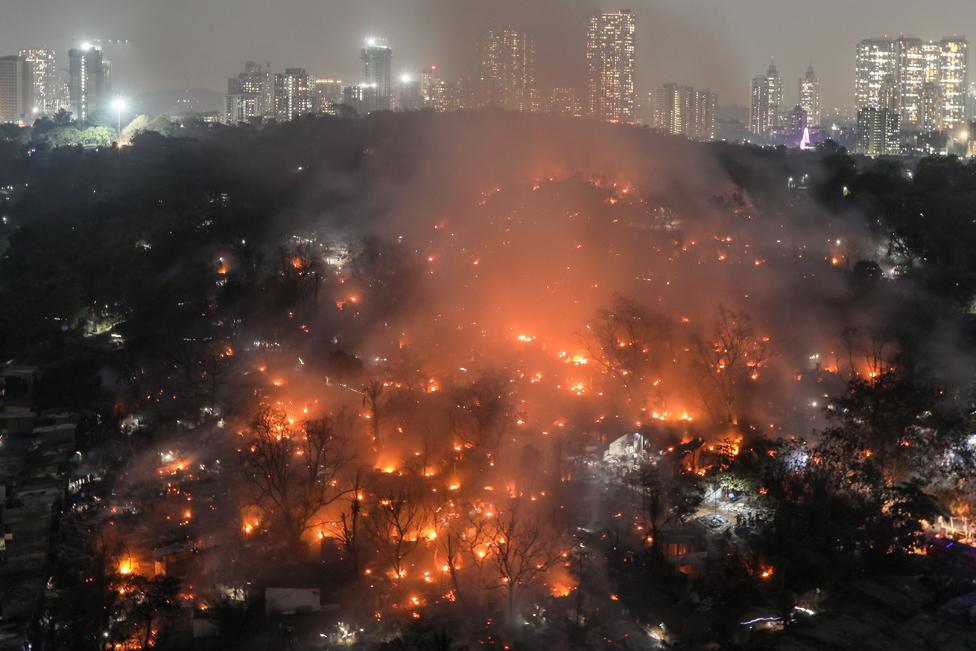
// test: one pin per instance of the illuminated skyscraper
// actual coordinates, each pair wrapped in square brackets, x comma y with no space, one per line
[562,101]
[610,64]
[432,89]
[875,61]
[44,74]
[377,61]
[16,90]
[326,94]
[953,81]
[916,69]
[507,70]
[930,79]
[250,95]
[810,97]
[767,100]
[292,94]
[684,111]
[89,84]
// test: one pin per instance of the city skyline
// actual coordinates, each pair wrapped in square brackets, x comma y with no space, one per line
[729,43]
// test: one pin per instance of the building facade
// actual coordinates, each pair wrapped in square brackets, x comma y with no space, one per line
[930,79]
[610,66]
[250,95]
[16,90]
[878,132]
[685,111]
[377,63]
[44,73]
[810,97]
[89,82]
[766,104]
[292,94]
[507,70]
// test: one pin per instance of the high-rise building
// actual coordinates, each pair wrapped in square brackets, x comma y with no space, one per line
[878,131]
[798,121]
[460,95]
[16,90]
[953,81]
[916,66]
[408,95]
[432,89]
[44,74]
[89,81]
[507,70]
[810,97]
[292,94]
[326,94]
[377,62]
[767,101]
[706,115]
[563,101]
[251,93]
[875,61]
[610,64]
[685,111]
[930,79]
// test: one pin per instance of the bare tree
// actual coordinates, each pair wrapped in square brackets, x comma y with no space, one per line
[630,342]
[292,470]
[482,410]
[396,521]
[523,547]
[349,519]
[728,361]
[372,397]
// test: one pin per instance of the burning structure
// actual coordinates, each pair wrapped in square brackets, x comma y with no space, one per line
[478,368]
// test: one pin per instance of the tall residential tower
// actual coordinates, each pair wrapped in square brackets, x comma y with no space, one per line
[810,97]
[507,70]
[377,62]
[610,64]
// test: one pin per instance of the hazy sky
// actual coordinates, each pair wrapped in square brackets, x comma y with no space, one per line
[718,44]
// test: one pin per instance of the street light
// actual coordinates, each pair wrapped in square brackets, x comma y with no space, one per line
[119,104]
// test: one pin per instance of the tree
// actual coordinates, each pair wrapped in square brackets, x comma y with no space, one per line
[145,601]
[728,361]
[890,422]
[630,342]
[523,546]
[349,520]
[396,520]
[292,470]
[483,409]
[668,496]
[372,397]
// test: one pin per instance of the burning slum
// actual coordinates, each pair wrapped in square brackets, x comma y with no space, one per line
[435,405]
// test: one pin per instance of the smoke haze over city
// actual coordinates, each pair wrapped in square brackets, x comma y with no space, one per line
[716,44]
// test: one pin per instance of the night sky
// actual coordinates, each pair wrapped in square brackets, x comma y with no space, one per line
[719,44]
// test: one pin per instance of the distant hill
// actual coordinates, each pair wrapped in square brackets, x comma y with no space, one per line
[173,102]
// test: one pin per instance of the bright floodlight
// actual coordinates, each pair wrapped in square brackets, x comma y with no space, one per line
[119,104]
[85,46]
[370,42]
[405,78]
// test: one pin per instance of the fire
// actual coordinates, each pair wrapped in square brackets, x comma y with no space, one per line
[525,338]
[560,590]
[766,572]
[127,566]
